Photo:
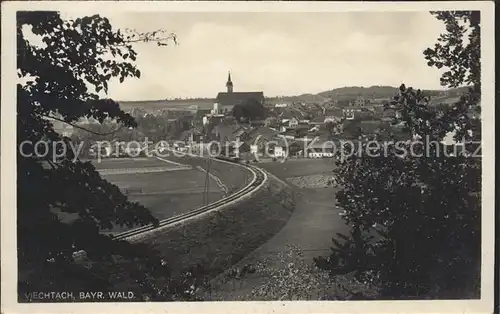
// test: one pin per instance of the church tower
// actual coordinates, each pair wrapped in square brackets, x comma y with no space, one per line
[229,83]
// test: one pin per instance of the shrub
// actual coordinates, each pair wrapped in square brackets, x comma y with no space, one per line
[423,209]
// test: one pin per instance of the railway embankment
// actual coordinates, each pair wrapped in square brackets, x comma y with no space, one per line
[219,239]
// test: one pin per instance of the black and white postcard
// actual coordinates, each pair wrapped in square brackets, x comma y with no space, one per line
[290,157]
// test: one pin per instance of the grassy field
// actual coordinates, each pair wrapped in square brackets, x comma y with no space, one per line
[221,239]
[299,167]
[233,176]
[165,193]
[139,162]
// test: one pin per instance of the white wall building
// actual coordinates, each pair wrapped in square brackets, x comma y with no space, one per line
[293,123]
[348,114]
[279,151]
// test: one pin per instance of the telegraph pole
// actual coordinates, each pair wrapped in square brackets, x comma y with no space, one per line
[208,179]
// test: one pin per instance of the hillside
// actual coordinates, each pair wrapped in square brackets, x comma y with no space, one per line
[351,92]
[347,93]
[152,105]
[340,94]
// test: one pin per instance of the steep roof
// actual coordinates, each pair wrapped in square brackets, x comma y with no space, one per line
[236,98]
[201,113]
[389,113]
[227,132]
[317,120]
[287,115]
[333,113]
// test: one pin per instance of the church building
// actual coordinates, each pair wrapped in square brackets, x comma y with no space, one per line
[225,101]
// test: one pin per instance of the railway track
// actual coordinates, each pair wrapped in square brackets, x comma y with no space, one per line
[259,178]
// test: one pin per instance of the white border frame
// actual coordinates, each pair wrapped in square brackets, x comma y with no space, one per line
[8,169]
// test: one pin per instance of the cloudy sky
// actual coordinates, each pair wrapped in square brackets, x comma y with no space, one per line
[279,53]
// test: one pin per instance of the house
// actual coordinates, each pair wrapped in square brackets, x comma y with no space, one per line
[262,146]
[225,132]
[301,131]
[389,114]
[317,121]
[225,101]
[286,116]
[281,105]
[293,123]
[321,150]
[379,101]
[333,115]
[359,102]
[288,135]
[259,137]
[279,151]
[348,113]
[239,148]
[257,123]
[242,134]
[365,115]
[295,148]
[184,122]
[200,117]
[258,147]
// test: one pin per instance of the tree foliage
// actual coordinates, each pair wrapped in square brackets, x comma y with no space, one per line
[419,205]
[251,109]
[272,122]
[62,75]
[458,49]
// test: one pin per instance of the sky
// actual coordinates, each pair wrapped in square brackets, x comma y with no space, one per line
[278,53]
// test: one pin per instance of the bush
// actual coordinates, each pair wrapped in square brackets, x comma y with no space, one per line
[422,209]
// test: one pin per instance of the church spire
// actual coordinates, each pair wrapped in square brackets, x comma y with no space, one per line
[229,83]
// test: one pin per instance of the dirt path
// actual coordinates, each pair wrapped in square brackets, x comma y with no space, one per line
[311,227]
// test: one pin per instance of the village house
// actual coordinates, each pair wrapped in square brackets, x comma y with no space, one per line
[239,148]
[258,139]
[293,123]
[321,150]
[317,121]
[388,115]
[257,123]
[279,151]
[289,135]
[333,115]
[348,113]
[301,131]
[295,149]
[200,117]
[286,116]
[359,102]
[242,134]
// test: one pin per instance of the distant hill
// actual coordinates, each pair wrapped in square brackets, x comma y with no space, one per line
[352,92]
[181,104]
[339,94]
[348,93]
